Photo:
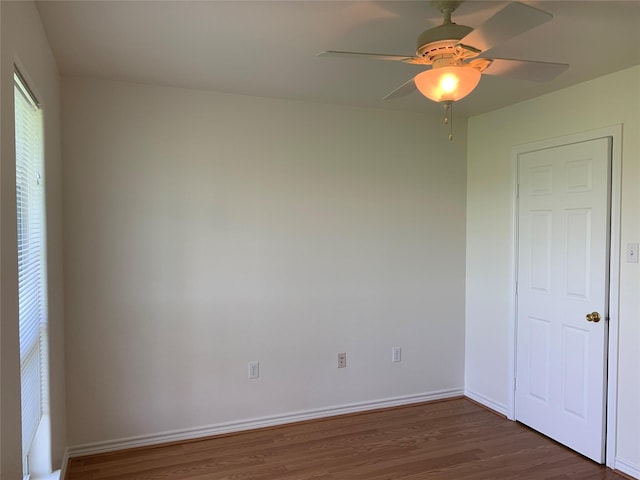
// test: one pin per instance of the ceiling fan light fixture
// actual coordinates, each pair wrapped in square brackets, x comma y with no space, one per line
[448,84]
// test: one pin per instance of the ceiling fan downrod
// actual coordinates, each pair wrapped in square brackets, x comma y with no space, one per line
[446,7]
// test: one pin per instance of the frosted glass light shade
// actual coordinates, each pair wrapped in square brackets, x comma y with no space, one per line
[447,84]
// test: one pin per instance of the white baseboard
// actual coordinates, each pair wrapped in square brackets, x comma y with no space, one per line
[52,476]
[627,467]
[487,402]
[250,424]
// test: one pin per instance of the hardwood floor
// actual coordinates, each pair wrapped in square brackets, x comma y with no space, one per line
[452,439]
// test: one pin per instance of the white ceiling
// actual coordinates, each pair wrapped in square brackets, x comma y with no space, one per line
[268,48]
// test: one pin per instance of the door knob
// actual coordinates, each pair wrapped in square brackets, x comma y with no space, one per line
[593,317]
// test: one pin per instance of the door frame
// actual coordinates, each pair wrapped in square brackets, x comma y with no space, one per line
[615,133]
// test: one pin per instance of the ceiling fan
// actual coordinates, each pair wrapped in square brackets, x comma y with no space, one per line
[454,54]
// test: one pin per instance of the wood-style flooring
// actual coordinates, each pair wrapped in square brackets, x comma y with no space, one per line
[452,439]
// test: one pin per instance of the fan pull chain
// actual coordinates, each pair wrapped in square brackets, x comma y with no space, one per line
[448,118]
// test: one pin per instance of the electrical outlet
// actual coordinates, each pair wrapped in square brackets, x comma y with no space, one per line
[342,360]
[254,369]
[396,354]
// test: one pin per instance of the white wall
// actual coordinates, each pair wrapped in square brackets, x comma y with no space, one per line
[205,230]
[610,100]
[24,41]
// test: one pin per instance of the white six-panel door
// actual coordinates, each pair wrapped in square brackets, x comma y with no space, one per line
[563,255]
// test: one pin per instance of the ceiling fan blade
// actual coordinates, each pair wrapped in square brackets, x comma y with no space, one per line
[525,70]
[405,89]
[373,56]
[514,19]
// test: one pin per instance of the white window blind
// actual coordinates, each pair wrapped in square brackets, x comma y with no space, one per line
[31,260]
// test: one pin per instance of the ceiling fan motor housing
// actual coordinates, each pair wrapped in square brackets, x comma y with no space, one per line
[441,41]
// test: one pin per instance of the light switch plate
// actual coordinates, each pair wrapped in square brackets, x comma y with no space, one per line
[254,370]
[632,253]
[396,354]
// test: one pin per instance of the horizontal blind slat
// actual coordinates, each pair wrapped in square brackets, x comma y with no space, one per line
[30,397]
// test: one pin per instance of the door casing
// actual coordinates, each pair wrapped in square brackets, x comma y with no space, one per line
[615,132]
